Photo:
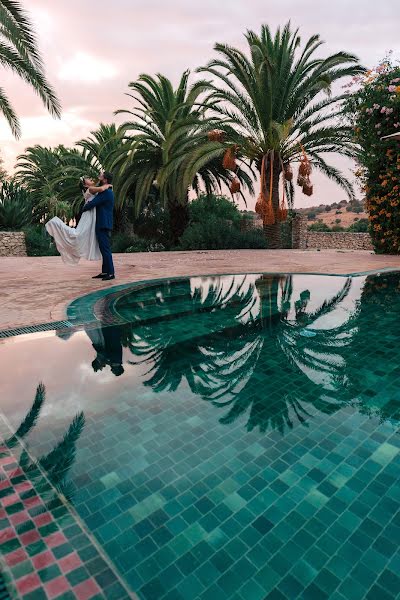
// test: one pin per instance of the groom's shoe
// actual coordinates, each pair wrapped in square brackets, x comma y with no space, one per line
[108,277]
[100,276]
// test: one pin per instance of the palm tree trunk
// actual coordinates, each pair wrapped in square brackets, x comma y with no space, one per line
[178,218]
[273,232]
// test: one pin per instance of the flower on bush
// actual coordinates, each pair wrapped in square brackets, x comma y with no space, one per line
[374,111]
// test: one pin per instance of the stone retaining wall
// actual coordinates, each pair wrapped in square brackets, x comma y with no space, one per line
[344,240]
[12,243]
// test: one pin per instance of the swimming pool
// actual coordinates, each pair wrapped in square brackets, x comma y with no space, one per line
[220,437]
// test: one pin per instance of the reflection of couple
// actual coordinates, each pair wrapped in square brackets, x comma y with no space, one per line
[91,239]
[107,343]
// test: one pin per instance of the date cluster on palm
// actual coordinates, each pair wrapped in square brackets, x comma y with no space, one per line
[229,162]
[303,178]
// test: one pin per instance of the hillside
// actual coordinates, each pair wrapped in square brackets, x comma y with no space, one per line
[343,214]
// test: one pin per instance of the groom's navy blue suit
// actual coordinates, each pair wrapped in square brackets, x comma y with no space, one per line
[104,205]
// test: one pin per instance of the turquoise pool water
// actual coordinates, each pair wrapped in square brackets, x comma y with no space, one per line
[232,437]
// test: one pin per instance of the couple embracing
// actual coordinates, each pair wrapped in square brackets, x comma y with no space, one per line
[91,239]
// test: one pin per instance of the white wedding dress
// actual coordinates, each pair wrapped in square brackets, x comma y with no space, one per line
[76,243]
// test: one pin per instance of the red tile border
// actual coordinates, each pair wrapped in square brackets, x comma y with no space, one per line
[40,561]
[14,558]
[70,562]
[28,583]
[87,589]
[56,587]
[55,539]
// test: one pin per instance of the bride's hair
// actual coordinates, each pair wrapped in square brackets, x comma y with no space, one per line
[82,185]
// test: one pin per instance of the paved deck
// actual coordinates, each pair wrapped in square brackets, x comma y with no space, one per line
[37,290]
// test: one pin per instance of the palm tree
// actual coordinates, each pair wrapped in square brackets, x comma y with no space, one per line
[52,174]
[101,146]
[165,127]
[275,106]
[19,53]
[90,156]
[51,177]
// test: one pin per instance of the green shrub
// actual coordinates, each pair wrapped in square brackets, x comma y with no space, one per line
[38,241]
[319,226]
[15,206]
[217,234]
[359,226]
[120,242]
[140,245]
[219,207]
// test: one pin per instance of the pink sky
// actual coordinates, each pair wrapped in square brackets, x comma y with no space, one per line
[94,48]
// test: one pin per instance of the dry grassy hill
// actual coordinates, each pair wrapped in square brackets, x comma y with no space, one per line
[343,213]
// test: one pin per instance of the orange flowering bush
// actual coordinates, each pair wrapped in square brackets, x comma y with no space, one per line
[374,111]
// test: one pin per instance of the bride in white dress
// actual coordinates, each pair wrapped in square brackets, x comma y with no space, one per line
[80,242]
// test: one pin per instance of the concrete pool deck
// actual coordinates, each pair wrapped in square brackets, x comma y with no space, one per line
[38,290]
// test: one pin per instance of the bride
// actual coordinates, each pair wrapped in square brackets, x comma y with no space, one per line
[80,242]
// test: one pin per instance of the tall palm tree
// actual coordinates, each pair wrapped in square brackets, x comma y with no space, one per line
[275,106]
[164,128]
[19,53]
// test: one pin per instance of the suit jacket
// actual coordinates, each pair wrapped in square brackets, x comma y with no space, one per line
[104,205]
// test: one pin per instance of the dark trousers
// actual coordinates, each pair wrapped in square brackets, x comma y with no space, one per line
[104,239]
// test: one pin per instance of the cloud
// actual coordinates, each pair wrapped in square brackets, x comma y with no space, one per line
[86,68]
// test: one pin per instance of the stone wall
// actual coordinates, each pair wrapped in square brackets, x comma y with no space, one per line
[343,240]
[12,243]
[324,240]
[299,232]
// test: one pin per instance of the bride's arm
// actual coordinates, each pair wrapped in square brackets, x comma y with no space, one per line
[98,189]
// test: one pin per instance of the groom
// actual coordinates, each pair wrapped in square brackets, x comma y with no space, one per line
[104,205]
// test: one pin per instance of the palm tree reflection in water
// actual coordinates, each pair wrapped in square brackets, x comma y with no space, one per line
[55,465]
[249,348]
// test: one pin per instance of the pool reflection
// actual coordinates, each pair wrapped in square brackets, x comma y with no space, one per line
[245,349]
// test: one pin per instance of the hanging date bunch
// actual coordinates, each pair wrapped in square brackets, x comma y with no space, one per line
[229,163]
[303,178]
[235,186]
[216,135]
[229,160]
